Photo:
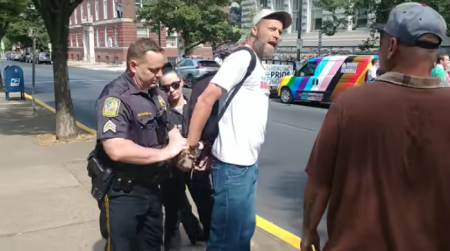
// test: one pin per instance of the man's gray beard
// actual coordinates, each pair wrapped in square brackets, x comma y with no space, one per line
[264,52]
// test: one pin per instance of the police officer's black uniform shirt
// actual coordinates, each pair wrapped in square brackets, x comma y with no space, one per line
[124,111]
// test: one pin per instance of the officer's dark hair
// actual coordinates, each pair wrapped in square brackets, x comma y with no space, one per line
[140,47]
[374,61]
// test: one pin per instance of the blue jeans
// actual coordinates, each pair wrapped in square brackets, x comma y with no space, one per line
[233,216]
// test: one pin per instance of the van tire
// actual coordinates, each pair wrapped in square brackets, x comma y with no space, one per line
[286,95]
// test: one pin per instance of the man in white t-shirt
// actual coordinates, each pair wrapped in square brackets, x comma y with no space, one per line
[241,134]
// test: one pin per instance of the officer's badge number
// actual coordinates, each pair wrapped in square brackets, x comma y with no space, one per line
[111,107]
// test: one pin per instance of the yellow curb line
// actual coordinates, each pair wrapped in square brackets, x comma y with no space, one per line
[264,224]
[80,125]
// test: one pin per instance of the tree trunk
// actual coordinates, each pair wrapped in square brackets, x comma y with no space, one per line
[65,119]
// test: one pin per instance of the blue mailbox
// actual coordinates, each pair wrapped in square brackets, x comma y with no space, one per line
[14,81]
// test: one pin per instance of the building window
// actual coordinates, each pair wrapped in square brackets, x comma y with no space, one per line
[142,32]
[97,37]
[316,19]
[82,12]
[70,21]
[361,18]
[75,15]
[71,40]
[279,4]
[105,9]
[295,5]
[114,8]
[116,37]
[171,39]
[76,40]
[172,60]
[106,37]
[139,4]
[96,10]
[88,6]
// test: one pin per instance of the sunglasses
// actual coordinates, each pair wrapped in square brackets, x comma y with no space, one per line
[175,85]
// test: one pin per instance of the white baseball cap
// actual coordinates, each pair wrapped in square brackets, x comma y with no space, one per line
[280,15]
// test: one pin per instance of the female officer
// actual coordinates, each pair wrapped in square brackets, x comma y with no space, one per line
[177,206]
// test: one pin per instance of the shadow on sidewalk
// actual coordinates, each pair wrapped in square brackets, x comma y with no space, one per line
[17,118]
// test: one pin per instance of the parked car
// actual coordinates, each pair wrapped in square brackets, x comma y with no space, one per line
[16,56]
[44,58]
[192,69]
[29,58]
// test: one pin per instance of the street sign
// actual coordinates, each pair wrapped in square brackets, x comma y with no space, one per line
[32,31]
[299,44]
[320,42]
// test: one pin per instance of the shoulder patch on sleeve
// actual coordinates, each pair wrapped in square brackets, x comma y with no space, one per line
[111,107]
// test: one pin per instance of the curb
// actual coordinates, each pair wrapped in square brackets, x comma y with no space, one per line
[261,223]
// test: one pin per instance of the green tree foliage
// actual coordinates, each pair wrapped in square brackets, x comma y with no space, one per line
[18,30]
[10,11]
[56,15]
[198,21]
[340,10]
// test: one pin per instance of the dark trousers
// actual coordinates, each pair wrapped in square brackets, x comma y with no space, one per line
[132,221]
[173,197]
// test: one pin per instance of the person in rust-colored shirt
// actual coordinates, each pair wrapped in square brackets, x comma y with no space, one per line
[382,157]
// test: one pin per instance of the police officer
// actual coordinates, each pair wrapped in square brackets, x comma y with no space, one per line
[132,133]
[173,189]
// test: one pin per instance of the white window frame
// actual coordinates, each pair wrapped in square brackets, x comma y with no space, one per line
[81,11]
[75,12]
[139,4]
[70,21]
[313,23]
[71,40]
[97,37]
[295,15]
[96,10]
[88,6]
[105,9]
[364,16]
[116,37]
[76,40]
[114,8]
[173,35]
[106,36]
[140,28]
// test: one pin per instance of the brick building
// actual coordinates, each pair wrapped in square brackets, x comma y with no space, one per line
[97,34]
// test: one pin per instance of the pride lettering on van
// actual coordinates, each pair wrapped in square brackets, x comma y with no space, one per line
[276,72]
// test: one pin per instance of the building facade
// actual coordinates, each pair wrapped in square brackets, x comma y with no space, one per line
[101,30]
[346,40]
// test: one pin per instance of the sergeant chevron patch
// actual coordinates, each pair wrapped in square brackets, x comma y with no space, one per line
[109,126]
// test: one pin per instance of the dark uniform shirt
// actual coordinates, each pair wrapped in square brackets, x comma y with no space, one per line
[124,111]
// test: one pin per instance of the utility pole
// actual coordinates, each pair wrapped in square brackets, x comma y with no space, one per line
[299,28]
[32,32]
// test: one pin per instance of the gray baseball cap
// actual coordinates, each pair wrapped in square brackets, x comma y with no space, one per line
[409,21]
[282,16]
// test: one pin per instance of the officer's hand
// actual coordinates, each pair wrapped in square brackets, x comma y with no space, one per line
[176,143]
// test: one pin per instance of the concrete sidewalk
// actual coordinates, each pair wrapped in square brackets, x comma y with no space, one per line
[44,190]
[96,66]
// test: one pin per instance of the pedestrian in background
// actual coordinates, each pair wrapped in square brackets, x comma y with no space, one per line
[380,160]
[440,68]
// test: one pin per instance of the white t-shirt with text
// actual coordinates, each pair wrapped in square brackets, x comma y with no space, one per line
[243,126]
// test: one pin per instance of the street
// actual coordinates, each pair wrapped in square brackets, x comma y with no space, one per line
[291,132]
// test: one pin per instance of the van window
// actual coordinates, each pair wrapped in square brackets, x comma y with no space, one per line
[307,70]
